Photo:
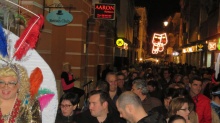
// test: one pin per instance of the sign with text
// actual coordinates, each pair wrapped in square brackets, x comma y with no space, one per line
[104,11]
[59,17]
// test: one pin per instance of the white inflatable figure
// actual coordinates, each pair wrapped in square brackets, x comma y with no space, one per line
[47,93]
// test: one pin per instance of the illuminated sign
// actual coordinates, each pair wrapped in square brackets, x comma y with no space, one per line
[104,11]
[119,42]
[212,46]
[159,41]
[200,47]
[59,17]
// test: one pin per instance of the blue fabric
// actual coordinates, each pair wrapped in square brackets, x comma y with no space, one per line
[3,42]
[216,107]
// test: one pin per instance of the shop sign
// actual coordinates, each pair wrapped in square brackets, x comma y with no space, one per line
[200,47]
[59,17]
[104,11]
[212,45]
[119,42]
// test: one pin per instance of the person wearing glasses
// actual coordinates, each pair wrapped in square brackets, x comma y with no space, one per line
[68,105]
[179,106]
[15,104]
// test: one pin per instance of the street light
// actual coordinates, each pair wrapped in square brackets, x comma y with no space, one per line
[165,23]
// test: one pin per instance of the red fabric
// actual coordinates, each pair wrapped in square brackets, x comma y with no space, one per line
[203,108]
[64,85]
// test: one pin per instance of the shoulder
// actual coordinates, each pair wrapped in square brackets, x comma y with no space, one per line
[203,98]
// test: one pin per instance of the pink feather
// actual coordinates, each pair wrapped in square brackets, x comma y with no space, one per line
[44,100]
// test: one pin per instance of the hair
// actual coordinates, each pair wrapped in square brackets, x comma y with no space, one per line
[109,73]
[179,85]
[140,84]
[102,85]
[104,96]
[72,97]
[195,77]
[153,83]
[176,117]
[120,74]
[21,74]
[128,97]
[66,66]
[215,91]
[124,68]
[176,104]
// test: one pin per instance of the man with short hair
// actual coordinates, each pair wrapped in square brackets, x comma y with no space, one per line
[202,103]
[101,109]
[139,87]
[114,92]
[130,108]
[121,81]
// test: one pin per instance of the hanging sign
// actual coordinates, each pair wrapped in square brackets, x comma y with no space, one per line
[104,11]
[212,46]
[59,17]
[119,42]
[159,41]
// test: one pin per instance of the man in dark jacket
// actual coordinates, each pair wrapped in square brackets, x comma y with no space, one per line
[101,109]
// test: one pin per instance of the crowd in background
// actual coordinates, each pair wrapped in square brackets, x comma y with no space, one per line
[150,93]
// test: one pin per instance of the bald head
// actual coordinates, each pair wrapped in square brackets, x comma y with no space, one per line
[129,98]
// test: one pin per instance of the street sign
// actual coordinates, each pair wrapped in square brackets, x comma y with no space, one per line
[119,42]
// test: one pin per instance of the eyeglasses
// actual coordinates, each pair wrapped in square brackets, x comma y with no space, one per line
[11,84]
[65,106]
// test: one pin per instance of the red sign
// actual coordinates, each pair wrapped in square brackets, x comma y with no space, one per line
[104,11]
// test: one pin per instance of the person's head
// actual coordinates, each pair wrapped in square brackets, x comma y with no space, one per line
[177,77]
[169,94]
[195,85]
[139,87]
[13,82]
[124,70]
[152,86]
[166,73]
[121,79]
[98,103]
[176,119]
[134,75]
[68,103]
[185,80]
[179,106]
[112,80]
[66,67]
[128,104]
[102,85]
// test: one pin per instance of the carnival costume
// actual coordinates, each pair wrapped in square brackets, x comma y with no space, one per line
[36,100]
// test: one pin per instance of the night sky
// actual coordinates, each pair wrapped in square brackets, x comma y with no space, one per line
[158,11]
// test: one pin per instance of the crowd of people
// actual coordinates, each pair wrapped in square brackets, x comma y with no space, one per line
[150,93]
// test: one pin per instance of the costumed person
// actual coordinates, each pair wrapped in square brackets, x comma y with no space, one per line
[67,81]
[24,91]
[68,105]
[16,105]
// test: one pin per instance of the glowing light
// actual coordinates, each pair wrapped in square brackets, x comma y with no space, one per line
[140,59]
[159,41]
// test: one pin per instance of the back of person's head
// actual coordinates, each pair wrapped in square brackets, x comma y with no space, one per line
[176,104]
[195,77]
[215,91]
[140,84]
[128,98]
[176,119]
[72,97]
[102,85]
[120,74]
